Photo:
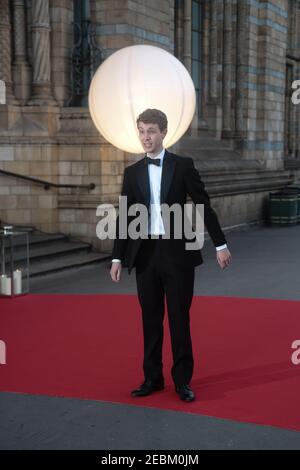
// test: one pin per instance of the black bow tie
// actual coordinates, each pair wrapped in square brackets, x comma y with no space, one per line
[154,161]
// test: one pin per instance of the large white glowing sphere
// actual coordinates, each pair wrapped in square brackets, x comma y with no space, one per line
[133,79]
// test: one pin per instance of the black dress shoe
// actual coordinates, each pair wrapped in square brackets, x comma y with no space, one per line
[185,392]
[147,387]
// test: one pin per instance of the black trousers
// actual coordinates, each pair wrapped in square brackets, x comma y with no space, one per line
[158,278]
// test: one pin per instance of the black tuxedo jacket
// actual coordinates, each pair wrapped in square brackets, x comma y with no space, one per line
[179,179]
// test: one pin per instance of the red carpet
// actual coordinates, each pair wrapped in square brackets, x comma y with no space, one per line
[90,346]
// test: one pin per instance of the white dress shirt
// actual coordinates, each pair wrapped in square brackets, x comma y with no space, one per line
[155,224]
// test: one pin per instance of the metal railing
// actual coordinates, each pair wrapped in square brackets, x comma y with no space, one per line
[47,184]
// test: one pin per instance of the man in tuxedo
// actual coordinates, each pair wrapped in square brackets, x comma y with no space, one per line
[164,267]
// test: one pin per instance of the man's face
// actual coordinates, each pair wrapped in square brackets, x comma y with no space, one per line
[151,137]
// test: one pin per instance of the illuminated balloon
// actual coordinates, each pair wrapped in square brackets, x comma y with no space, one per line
[133,79]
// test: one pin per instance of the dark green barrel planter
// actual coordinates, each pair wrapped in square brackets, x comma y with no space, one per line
[285,207]
[295,191]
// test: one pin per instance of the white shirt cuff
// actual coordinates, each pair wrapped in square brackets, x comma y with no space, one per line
[221,247]
[116,261]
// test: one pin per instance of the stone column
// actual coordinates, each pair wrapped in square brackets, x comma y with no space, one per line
[214,108]
[213,52]
[205,63]
[178,32]
[5,50]
[41,90]
[227,68]
[61,20]
[241,62]
[187,35]
[187,51]
[21,68]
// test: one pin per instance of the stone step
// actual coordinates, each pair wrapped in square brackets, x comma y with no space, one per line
[37,238]
[51,252]
[205,143]
[51,249]
[66,262]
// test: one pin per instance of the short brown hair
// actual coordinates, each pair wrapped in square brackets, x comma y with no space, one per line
[153,116]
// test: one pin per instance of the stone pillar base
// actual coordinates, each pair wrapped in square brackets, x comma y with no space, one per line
[42,96]
[22,81]
[240,135]
[9,115]
[214,119]
[9,96]
[227,134]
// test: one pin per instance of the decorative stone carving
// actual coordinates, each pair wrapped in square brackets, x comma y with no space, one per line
[42,92]
[227,68]
[21,68]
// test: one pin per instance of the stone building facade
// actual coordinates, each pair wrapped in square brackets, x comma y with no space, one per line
[243,56]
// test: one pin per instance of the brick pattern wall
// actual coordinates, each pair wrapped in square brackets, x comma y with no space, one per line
[22,202]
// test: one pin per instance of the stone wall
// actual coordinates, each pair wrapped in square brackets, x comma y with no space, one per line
[237,142]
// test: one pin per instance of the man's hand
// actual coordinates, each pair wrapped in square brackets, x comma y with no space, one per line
[224,258]
[115,271]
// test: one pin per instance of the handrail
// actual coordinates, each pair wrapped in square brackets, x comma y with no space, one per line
[293,57]
[48,184]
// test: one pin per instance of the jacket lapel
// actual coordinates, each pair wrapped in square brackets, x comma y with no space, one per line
[166,178]
[143,181]
[167,175]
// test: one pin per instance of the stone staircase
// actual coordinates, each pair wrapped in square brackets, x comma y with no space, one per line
[208,150]
[50,253]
